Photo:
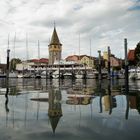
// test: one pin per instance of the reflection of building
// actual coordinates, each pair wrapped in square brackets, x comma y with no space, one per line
[55,48]
[75,100]
[80,96]
[54,111]
[134,102]
[109,102]
[80,90]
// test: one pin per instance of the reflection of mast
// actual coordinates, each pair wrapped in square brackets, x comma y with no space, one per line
[7,100]
[26,107]
[13,112]
[91,108]
[38,106]
[100,94]
[38,94]
[80,106]
[127,107]
[110,97]
[54,111]
[80,115]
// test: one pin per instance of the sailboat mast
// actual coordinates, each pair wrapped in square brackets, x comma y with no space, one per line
[14,45]
[90,51]
[8,55]
[38,50]
[8,42]
[38,56]
[79,48]
[27,55]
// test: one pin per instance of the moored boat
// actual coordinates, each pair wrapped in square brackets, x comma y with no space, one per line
[134,74]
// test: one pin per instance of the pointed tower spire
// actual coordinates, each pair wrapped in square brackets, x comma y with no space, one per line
[54,121]
[55,39]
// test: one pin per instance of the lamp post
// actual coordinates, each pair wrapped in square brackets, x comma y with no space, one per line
[100,72]
[126,67]
[108,63]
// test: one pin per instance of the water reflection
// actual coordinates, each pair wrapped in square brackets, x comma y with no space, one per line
[80,95]
[55,110]
[37,104]
[109,99]
[7,100]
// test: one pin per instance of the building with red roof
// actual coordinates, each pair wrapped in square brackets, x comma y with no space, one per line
[131,55]
[42,60]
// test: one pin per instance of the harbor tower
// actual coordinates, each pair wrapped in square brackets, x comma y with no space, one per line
[55,48]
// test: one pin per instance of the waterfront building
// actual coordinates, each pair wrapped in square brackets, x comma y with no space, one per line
[74,58]
[55,48]
[32,64]
[131,57]
[2,68]
[105,55]
[89,61]
[114,61]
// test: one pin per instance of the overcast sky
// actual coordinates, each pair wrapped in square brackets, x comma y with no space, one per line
[104,22]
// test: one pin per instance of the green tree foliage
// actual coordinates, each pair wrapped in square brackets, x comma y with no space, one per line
[13,63]
[137,54]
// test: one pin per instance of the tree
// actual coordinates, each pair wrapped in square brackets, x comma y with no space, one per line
[137,54]
[13,63]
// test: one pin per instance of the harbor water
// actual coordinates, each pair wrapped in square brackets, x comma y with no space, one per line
[40,109]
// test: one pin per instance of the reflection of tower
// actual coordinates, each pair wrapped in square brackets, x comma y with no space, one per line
[54,48]
[54,111]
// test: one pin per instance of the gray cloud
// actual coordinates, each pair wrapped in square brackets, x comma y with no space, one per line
[106,22]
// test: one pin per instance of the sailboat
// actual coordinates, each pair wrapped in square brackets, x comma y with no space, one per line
[25,64]
[38,73]
[134,74]
[91,74]
[12,74]
[79,74]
